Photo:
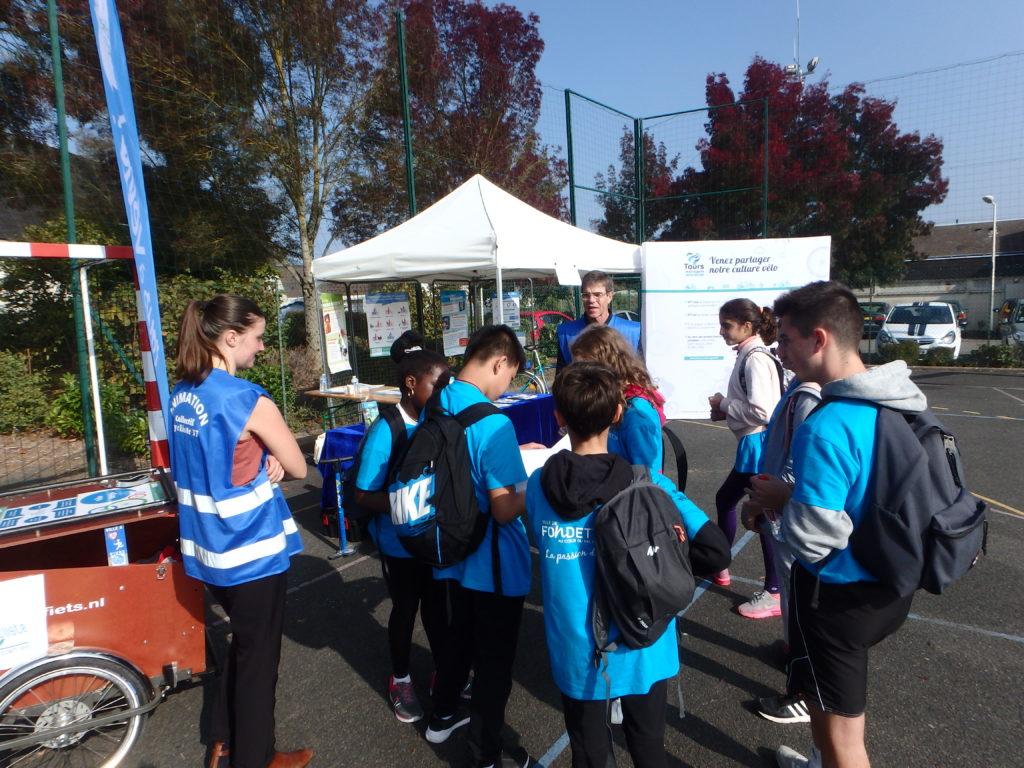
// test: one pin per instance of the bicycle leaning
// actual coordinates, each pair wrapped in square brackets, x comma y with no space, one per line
[534,379]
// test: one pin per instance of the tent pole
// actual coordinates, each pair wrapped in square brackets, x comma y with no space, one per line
[499,313]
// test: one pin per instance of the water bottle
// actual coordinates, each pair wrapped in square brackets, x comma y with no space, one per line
[353,386]
[368,410]
[325,382]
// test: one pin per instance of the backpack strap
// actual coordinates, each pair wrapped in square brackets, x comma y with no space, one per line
[682,465]
[773,358]
[474,413]
[467,418]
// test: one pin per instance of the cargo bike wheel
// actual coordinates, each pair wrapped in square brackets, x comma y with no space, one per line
[66,712]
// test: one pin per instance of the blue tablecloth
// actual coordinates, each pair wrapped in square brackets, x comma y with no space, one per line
[532,416]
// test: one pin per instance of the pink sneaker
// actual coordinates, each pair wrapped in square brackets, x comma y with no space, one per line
[722,578]
[761,606]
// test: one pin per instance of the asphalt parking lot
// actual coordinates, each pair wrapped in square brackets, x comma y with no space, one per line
[945,691]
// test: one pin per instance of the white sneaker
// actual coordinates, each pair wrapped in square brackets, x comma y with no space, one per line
[787,757]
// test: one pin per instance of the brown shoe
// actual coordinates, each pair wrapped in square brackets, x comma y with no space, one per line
[220,756]
[296,759]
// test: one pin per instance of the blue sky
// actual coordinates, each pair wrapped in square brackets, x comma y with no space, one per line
[650,57]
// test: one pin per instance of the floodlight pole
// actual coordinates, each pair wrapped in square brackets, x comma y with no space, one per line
[992,287]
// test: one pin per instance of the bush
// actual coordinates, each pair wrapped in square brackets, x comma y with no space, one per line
[125,427]
[23,402]
[998,356]
[907,351]
[942,357]
[268,376]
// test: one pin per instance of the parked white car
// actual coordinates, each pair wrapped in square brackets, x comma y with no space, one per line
[932,324]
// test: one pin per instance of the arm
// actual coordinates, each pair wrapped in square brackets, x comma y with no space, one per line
[814,522]
[267,423]
[709,549]
[506,503]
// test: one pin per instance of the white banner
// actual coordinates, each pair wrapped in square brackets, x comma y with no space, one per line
[684,286]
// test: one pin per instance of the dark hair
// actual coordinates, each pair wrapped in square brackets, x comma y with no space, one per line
[413,358]
[603,344]
[596,276]
[825,304]
[761,319]
[494,340]
[202,325]
[586,394]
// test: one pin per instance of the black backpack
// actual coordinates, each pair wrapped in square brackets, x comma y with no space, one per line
[433,505]
[393,418]
[643,576]
[924,529]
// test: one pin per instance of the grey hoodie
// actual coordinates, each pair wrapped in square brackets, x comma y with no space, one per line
[811,532]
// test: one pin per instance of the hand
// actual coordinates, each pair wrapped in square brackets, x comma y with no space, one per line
[275,472]
[751,516]
[532,446]
[769,491]
[715,401]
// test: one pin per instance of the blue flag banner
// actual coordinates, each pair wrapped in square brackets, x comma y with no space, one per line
[129,163]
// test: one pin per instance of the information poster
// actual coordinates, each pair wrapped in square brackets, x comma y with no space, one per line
[686,283]
[454,322]
[333,306]
[23,625]
[387,318]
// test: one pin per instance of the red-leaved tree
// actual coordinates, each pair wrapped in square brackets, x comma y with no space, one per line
[474,100]
[836,165]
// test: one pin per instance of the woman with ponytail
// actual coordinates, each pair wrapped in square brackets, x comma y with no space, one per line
[229,448]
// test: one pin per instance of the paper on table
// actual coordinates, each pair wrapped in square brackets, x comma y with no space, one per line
[534,459]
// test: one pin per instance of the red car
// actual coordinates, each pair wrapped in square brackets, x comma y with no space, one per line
[537,320]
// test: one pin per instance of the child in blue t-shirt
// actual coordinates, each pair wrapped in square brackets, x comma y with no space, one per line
[410,582]
[561,500]
[484,612]
[637,436]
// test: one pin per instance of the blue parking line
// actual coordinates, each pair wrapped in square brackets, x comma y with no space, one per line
[563,741]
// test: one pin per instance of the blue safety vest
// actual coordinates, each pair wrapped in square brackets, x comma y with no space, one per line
[229,534]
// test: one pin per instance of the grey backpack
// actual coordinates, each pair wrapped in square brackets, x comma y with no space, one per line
[924,529]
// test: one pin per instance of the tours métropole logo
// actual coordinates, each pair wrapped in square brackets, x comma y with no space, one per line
[693,264]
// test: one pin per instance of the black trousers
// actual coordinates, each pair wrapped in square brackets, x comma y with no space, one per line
[484,634]
[413,588]
[243,709]
[643,721]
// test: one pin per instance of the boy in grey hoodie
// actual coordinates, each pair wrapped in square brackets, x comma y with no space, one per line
[837,608]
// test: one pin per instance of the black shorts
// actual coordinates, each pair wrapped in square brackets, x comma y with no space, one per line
[829,659]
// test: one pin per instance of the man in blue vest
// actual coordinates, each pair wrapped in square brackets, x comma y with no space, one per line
[596,294]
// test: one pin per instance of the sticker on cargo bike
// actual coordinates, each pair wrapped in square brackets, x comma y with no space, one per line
[23,624]
[82,505]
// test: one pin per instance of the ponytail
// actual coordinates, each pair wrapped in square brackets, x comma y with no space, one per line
[202,325]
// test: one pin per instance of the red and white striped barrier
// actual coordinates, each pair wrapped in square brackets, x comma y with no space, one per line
[157,427]
[9,248]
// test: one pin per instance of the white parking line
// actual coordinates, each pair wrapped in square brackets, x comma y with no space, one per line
[1004,392]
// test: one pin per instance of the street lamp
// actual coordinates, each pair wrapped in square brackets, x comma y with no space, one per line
[992,288]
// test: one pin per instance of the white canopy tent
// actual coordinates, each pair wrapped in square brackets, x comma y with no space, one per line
[479,231]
